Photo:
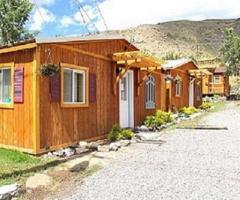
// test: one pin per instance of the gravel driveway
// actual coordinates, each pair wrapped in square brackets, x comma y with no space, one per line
[190,164]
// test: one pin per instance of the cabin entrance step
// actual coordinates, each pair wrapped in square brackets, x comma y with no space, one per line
[204,127]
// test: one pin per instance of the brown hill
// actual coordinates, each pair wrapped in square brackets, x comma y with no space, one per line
[198,39]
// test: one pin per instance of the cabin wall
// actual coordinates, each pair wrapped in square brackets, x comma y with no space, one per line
[211,88]
[178,102]
[17,123]
[140,110]
[62,126]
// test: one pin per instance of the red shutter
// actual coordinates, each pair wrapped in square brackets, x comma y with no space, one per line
[92,88]
[18,84]
[54,88]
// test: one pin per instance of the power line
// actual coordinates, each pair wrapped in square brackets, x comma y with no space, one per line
[39,11]
[82,10]
[104,21]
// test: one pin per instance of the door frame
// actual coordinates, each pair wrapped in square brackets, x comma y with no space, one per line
[130,74]
[191,92]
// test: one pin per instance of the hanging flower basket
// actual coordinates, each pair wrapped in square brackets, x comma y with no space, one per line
[49,69]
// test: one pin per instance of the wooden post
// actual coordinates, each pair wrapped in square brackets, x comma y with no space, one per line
[35,105]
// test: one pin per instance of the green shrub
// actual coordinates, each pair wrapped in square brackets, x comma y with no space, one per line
[158,119]
[188,110]
[206,106]
[150,121]
[166,117]
[117,134]
[127,134]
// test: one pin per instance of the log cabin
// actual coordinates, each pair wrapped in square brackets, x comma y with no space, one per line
[184,84]
[57,92]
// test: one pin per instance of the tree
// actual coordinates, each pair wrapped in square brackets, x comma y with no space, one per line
[230,52]
[13,16]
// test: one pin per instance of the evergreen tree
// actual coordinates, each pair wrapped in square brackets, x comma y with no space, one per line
[230,52]
[13,17]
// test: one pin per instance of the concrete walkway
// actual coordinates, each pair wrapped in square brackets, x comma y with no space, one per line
[190,164]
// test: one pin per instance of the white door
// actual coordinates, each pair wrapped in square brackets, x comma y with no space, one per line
[126,90]
[191,93]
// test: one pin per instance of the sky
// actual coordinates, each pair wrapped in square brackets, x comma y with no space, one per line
[63,17]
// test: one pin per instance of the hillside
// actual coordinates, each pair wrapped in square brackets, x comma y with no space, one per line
[198,39]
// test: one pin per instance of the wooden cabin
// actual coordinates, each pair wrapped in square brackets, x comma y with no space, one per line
[60,91]
[184,84]
[217,82]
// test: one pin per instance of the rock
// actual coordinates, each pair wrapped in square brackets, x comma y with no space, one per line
[103,148]
[80,150]
[93,146]
[69,152]
[124,143]
[144,128]
[59,153]
[7,192]
[114,146]
[83,144]
[76,165]
[38,180]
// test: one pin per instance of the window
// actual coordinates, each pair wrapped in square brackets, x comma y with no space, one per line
[6,85]
[124,89]
[74,86]
[150,92]
[198,91]
[178,86]
[216,78]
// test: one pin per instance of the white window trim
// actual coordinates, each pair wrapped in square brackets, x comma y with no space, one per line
[178,88]
[73,86]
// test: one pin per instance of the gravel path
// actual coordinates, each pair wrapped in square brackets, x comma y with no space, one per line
[190,164]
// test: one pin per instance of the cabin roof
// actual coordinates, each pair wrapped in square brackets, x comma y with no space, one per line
[220,70]
[173,64]
[78,39]
[33,43]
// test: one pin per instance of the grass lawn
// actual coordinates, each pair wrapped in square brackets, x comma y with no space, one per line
[14,165]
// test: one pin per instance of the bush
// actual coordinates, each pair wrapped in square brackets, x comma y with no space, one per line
[117,134]
[188,110]
[166,117]
[150,121]
[206,106]
[159,119]
[127,134]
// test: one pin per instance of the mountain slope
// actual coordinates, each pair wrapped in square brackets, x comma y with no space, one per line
[198,39]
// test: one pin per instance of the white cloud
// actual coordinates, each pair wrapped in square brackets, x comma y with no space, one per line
[66,21]
[127,13]
[41,17]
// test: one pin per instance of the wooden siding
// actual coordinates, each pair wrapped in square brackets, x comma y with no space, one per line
[140,111]
[178,102]
[211,88]
[62,126]
[16,123]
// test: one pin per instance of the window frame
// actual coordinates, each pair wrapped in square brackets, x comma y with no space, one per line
[150,82]
[77,69]
[214,79]
[198,91]
[179,84]
[10,66]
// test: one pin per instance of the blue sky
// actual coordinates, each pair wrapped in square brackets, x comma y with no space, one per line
[62,17]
